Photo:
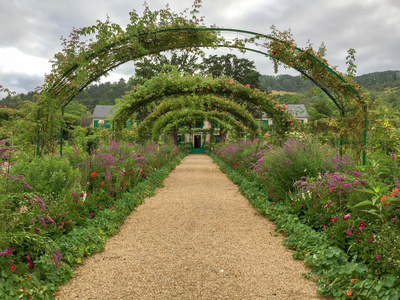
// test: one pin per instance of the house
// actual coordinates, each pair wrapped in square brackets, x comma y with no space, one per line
[100,115]
[298,110]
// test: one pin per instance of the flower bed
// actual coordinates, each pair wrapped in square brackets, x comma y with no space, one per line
[340,218]
[69,209]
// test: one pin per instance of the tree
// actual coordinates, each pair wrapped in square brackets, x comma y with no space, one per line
[77,109]
[240,69]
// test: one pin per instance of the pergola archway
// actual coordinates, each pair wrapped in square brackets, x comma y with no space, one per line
[209,103]
[80,64]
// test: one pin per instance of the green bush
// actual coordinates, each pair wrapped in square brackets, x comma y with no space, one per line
[49,175]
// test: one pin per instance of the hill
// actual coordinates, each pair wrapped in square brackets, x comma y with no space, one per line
[383,86]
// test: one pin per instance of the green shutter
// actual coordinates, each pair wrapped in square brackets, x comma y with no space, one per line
[217,139]
[137,123]
[108,125]
[302,121]
[95,123]
[128,124]
[265,122]
[273,122]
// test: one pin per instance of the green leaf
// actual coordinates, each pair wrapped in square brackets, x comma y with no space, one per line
[363,203]
[388,280]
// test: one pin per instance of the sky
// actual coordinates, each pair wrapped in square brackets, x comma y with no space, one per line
[30,31]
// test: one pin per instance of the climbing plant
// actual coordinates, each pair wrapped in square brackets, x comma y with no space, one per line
[172,83]
[208,103]
[173,119]
[109,45]
[354,105]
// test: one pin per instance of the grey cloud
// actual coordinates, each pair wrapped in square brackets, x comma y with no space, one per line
[370,27]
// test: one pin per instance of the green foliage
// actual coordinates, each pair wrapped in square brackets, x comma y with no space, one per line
[75,108]
[43,238]
[48,175]
[347,248]
[171,82]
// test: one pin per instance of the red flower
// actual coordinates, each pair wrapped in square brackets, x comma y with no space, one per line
[274,52]
[12,267]
[93,174]
[102,183]
[98,205]
[333,220]
[383,198]
[361,225]
[111,189]
[30,264]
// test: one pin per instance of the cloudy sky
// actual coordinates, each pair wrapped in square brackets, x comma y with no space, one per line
[30,30]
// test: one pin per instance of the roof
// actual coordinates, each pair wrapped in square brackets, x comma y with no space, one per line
[298,110]
[102,111]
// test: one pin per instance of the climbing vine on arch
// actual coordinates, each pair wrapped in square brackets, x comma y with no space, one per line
[81,63]
[171,120]
[172,83]
[208,103]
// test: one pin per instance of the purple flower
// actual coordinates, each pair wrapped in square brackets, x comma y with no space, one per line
[37,199]
[73,194]
[50,220]
[43,222]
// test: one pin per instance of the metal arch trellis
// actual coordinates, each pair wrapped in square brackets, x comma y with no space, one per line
[71,92]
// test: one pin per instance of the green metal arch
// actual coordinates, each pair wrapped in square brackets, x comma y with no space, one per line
[206,103]
[73,90]
[164,124]
[110,47]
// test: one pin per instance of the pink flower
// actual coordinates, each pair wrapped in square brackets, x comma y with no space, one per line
[361,225]
[377,257]
[333,220]
[73,194]
[348,232]
[12,267]
[345,217]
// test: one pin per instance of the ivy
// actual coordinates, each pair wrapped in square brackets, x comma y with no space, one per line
[168,85]
[209,103]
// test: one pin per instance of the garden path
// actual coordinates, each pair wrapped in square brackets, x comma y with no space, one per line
[198,238]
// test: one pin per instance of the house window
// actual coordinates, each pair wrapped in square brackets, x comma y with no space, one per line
[198,124]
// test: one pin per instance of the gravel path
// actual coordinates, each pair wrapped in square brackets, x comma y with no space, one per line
[198,238]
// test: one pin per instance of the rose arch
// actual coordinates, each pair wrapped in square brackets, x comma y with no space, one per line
[81,63]
[209,103]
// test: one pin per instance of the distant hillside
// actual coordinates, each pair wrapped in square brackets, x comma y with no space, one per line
[382,86]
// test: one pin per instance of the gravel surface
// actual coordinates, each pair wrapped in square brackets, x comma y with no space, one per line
[198,238]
